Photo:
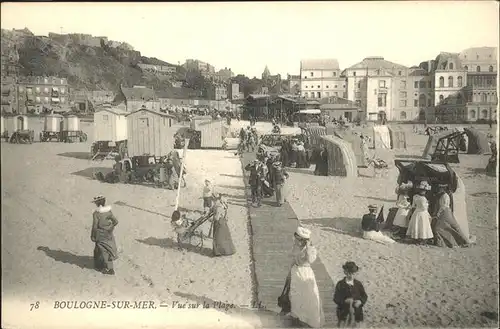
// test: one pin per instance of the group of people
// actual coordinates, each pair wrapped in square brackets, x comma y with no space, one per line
[248,140]
[300,297]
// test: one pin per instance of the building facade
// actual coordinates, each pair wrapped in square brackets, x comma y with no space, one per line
[233,92]
[321,78]
[37,92]
[293,82]
[137,97]
[194,64]
[158,69]
[216,92]
[481,96]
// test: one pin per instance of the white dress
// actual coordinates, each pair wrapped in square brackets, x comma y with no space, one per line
[304,293]
[400,219]
[420,222]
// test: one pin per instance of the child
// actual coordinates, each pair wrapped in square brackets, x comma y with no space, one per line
[208,192]
[419,227]
[404,206]
[350,297]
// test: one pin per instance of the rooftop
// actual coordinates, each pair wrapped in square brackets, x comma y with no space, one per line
[479,54]
[138,93]
[319,64]
[376,62]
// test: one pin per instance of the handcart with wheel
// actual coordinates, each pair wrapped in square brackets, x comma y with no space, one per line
[189,232]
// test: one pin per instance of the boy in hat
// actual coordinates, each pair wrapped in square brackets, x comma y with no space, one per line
[370,224]
[350,297]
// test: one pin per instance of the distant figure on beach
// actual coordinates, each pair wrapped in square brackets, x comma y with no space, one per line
[401,218]
[350,297]
[257,175]
[304,294]
[222,242]
[208,191]
[104,222]
[279,180]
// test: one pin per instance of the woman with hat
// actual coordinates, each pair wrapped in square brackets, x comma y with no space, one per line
[350,297]
[222,242]
[371,227]
[419,227]
[104,222]
[279,178]
[447,232]
[304,294]
[401,218]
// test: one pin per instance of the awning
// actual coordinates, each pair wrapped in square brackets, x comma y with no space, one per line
[310,111]
[55,100]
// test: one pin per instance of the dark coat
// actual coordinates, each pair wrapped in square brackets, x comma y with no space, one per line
[369,223]
[344,291]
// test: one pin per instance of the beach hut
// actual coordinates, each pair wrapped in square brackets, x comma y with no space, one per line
[381,137]
[16,123]
[149,133]
[314,134]
[355,141]
[397,137]
[213,132]
[477,142]
[341,158]
[2,128]
[110,124]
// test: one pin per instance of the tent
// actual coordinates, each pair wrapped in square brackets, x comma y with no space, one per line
[381,137]
[341,158]
[355,141]
[314,133]
[477,142]
[437,174]
[397,137]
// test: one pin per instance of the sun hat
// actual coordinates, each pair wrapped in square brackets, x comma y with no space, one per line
[424,185]
[372,206]
[350,267]
[303,233]
[98,198]
[277,164]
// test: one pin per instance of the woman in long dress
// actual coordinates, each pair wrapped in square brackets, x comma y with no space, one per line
[104,222]
[222,242]
[419,227]
[304,294]
[404,206]
[447,232]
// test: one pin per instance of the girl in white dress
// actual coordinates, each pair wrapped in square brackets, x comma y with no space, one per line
[419,227]
[404,206]
[304,294]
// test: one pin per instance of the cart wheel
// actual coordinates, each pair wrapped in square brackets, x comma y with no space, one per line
[196,239]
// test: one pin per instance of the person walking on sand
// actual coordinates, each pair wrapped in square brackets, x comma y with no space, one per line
[222,242]
[255,180]
[419,227]
[104,222]
[350,297]
[208,191]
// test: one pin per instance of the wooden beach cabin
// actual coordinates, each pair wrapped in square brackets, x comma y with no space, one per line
[149,133]
[2,128]
[212,131]
[110,125]
[341,158]
[398,137]
[16,123]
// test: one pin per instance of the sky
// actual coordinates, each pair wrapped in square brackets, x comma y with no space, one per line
[247,36]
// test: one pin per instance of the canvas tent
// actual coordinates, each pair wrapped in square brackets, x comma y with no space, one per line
[437,174]
[341,158]
[314,135]
[381,137]
[477,142]
[397,137]
[355,141]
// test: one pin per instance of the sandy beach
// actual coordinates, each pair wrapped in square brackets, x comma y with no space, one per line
[47,252]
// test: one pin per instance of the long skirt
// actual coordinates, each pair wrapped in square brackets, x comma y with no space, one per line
[304,296]
[447,231]
[280,195]
[104,254]
[419,226]
[377,236]
[401,218]
[223,244]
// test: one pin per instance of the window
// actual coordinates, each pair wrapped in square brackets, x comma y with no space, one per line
[327,87]
[441,82]
[319,94]
[319,87]
[451,66]
[344,94]
[402,115]
[306,86]
[478,69]
[359,84]
[358,103]
[46,99]
[459,82]
[403,84]
[415,102]
[305,76]
[312,94]
[327,93]
[399,72]
[415,84]
[421,100]
[29,91]
[63,99]
[21,88]
[484,98]
[441,98]
[430,84]
[62,90]
[46,80]
[336,94]
[46,90]
[382,100]
[37,99]
[484,114]
[354,73]
[378,72]
[403,94]
[472,114]
[466,68]
[62,81]
[422,84]
[334,74]
[490,68]
[450,81]
[306,95]
[357,94]
[37,90]
[343,86]
[312,74]
[381,83]
[403,103]
[429,102]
